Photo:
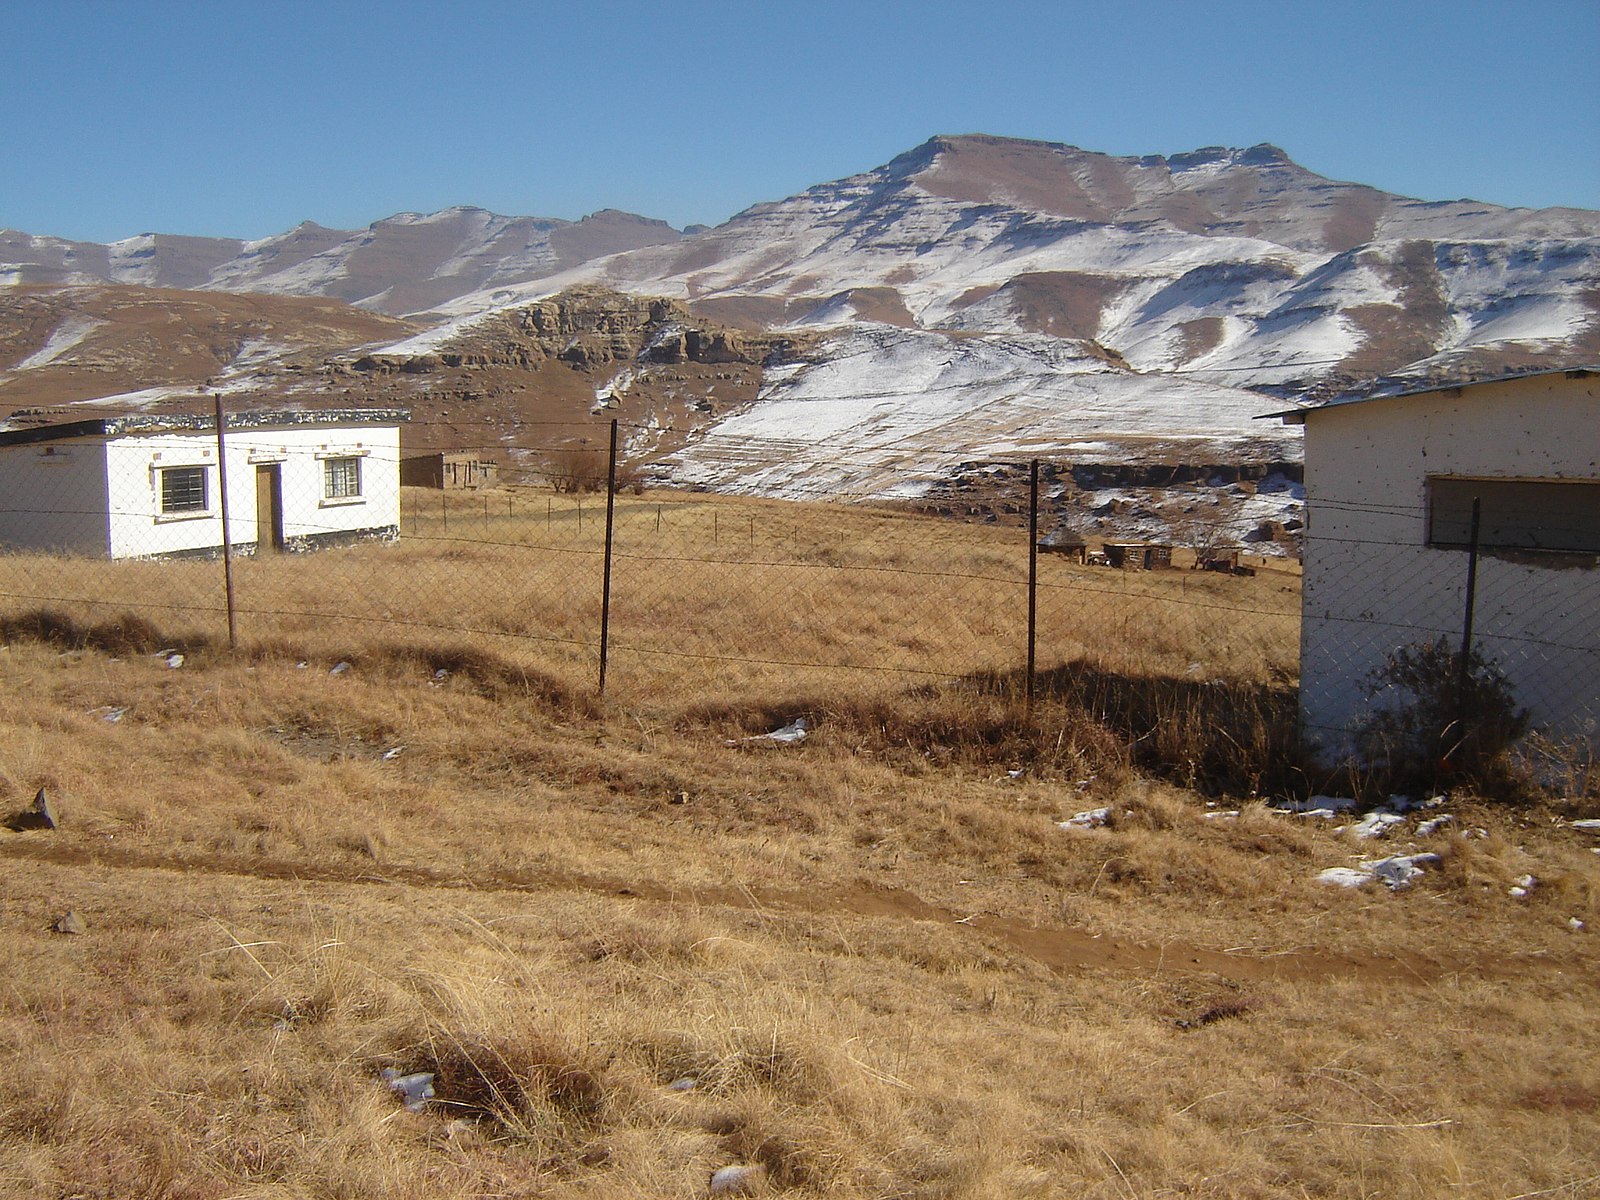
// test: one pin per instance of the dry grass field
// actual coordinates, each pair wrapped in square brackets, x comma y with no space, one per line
[636,943]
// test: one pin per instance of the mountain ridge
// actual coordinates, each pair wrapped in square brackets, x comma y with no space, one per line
[404,263]
[974,296]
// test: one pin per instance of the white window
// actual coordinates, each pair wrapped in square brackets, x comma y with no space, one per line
[341,479]
[183,490]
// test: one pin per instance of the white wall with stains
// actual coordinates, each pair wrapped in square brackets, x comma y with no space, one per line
[1373,584]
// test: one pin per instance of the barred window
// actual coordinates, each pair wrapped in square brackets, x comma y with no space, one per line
[341,478]
[183,489]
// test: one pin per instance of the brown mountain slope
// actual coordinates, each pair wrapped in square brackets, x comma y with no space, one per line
[528,381]
[61,345]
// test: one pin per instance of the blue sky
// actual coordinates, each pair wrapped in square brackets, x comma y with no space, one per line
[242,119]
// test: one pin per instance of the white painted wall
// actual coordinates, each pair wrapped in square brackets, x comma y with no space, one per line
[137,527]
[1373,585]
[53,497]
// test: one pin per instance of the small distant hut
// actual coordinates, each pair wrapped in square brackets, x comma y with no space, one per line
[449,471]
[1065,541]
[1139,556]
[1225,560]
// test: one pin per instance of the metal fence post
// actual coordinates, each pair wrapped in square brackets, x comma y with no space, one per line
[227,548]
[1033,582]
[1464,665]
[605,587]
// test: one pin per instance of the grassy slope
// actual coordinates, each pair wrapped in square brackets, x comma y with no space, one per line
[886,967]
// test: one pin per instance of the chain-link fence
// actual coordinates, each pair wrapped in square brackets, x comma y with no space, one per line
[667,599]
[1394,591]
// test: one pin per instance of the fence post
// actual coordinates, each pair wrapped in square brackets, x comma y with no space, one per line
[1033,581]
[605,587]
[227,549]
[1464,665]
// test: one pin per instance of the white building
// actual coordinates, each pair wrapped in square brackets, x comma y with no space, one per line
[148,485]
[1390,485]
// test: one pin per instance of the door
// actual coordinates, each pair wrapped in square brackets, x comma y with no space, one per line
[269,509]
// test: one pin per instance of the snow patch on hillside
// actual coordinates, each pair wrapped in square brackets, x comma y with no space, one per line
[67,335]
[882,411]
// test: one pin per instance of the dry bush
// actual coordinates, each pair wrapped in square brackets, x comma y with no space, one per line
[577,469]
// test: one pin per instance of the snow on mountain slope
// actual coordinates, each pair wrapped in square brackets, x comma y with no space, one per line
[974,295]
[880,411]
[410,262]
[1236,262]
[992,296]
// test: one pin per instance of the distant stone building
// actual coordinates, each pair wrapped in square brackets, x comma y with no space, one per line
[1066,541]
[1138,556]
[449,471]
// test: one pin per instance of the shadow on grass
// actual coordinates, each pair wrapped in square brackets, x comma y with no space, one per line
[488,673]
[1217,737]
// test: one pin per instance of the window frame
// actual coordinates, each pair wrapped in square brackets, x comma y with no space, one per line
[1521,515]
[333,463]
[189,511]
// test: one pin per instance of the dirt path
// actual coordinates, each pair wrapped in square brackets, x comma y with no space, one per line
[1060,949]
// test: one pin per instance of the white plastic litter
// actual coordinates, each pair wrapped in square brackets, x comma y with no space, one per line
[1590,825]
[687,1083]
[174,661]
[1228,814]
[1523,885]
[1344,876]
[739,1179]
[339,668]
[790,735]
[414,1090]
[1574,924]
[393,753]
[1094,818]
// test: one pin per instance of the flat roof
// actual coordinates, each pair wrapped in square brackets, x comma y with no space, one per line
[134,423]
[1297,416]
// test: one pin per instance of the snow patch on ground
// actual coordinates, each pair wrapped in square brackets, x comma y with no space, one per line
[1395,873]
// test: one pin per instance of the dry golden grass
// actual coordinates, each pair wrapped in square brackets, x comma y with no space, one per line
[886,968]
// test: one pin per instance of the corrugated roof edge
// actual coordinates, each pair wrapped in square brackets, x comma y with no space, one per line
[1297,416]
[190,422]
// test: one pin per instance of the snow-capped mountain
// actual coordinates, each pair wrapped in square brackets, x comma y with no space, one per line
[407,263]
[1237,264]
[974,297]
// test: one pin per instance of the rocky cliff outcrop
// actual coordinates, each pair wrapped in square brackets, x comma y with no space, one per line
[589,327]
